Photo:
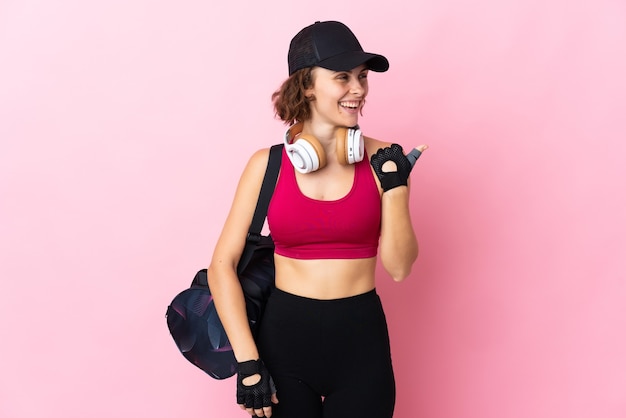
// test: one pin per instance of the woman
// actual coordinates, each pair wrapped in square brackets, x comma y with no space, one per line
[323,338]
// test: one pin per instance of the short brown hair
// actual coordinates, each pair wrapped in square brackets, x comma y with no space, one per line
[290,103]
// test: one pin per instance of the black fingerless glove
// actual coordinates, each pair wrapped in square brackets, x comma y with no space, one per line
[258,395]
[391,179]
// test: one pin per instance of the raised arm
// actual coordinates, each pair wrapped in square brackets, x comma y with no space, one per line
[398,248]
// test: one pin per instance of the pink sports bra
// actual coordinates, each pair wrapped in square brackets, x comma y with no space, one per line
[305,228]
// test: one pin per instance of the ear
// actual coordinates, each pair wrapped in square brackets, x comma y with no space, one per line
[308,91]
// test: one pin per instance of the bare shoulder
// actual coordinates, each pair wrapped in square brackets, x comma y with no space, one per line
[372,145]
[258,160]
[255,168]
[245,199]
[252,176]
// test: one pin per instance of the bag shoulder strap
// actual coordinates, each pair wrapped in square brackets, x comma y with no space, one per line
[267,190]
[260,212]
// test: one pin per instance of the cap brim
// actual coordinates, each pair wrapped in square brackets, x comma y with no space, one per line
[349,60]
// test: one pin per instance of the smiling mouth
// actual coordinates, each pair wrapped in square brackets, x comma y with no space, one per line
[350,105]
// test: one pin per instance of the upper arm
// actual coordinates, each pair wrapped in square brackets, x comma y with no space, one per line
[371,146]
[233,236]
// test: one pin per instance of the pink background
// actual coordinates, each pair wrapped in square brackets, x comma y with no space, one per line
[124,126]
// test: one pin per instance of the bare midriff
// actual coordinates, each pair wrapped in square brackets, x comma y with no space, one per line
[326,278]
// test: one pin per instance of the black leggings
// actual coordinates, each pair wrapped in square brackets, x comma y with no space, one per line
[328,358]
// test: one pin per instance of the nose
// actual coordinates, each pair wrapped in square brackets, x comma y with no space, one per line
[356,86]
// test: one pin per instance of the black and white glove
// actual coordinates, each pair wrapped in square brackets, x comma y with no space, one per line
[404,165]
[258,395]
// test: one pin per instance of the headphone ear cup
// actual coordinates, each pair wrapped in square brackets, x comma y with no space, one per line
[350,146]
[317,147]
[306,154]
[342,146]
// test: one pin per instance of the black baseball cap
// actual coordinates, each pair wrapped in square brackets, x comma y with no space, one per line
[333,46]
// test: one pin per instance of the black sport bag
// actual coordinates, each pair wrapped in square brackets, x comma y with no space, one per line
[191,316]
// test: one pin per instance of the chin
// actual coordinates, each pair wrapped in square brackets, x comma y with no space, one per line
[350,122]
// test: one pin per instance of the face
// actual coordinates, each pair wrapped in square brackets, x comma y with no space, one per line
[338,96]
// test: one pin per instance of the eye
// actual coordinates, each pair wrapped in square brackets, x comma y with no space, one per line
[363,75]
[342,76]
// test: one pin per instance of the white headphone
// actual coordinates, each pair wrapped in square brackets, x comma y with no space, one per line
[307,154]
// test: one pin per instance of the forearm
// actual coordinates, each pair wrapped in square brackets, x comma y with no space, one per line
[398,245]
[231,308]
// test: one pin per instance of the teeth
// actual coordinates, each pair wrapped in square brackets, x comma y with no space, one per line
[350,105]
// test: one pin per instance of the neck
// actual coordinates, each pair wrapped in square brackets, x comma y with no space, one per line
[325,133]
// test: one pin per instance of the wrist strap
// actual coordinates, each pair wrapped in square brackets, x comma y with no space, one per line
[392,180]
[250,367]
